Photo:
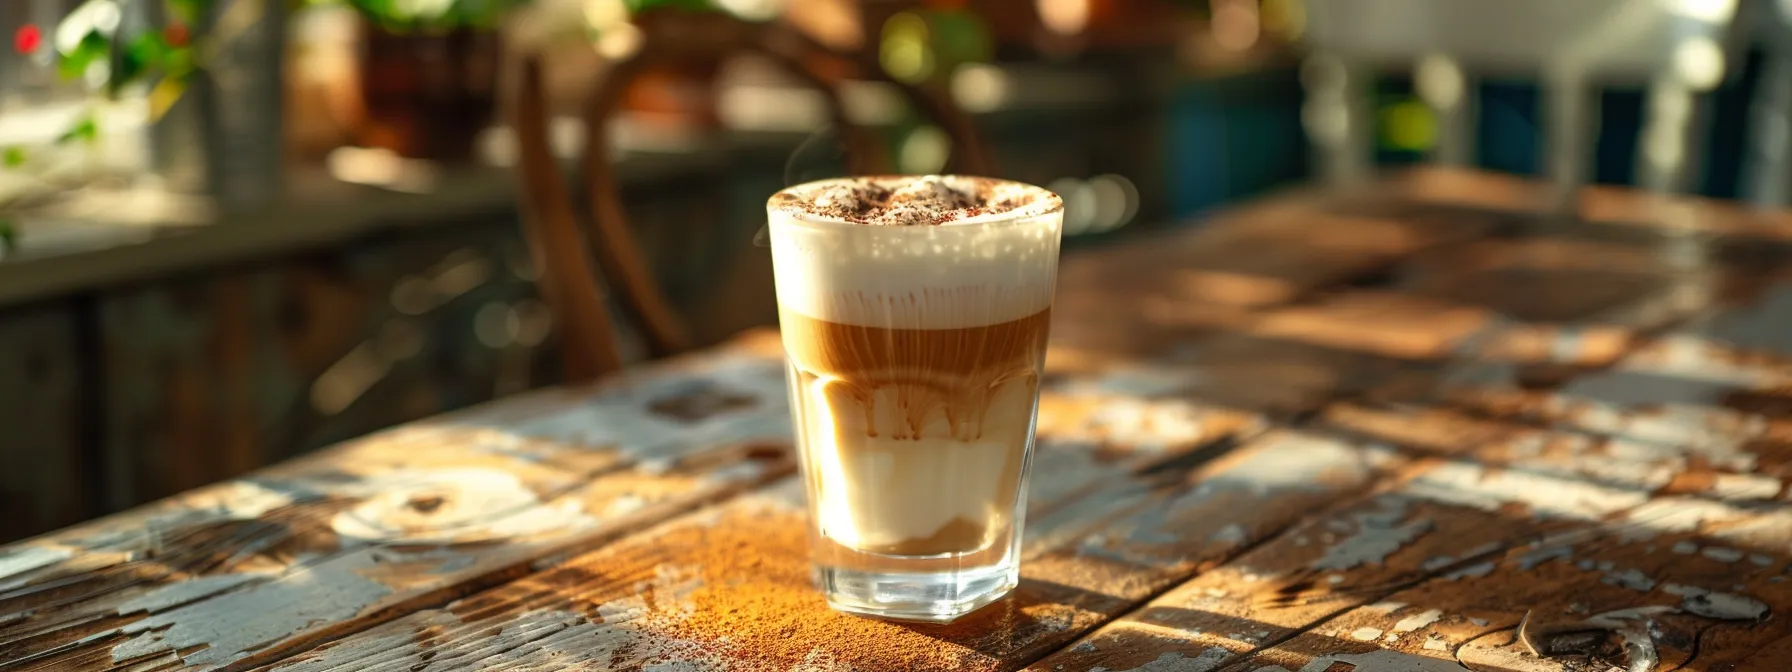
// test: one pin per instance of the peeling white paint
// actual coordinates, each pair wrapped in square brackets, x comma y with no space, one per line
[1722,554]
[1131,381]
[22,559]
[1537,557]
[1380,533]
[1365,634]
[234,500]
[624,505]
[366,652]
[1148,425]
[1274,465]
[1419,620]
[1296,461]
[453,505]
[1209,660]
[1674,515]
[738,472]
[1717,605]
[1633,579]
[1745,487]
[1383,660]
[1476,570]
[1230,534]
[1548,497]
[230,625]
[678,666]
[183,592]
[629,637]
[620,418]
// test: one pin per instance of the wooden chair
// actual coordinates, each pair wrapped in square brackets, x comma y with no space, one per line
[565,251]
[1678,50]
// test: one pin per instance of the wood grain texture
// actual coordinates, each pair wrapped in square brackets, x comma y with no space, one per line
[227,575]
[1328,433]
[43,461]
[729,588]
[1489,523]
[1601,510]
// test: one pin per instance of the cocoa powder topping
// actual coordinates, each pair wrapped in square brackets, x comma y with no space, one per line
[929,200]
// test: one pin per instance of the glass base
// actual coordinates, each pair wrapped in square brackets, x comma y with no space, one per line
[928,597]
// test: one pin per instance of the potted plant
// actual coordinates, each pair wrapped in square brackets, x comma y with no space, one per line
[101,54]
[429,74]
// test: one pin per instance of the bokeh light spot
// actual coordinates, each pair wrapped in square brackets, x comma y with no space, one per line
[27,39]
[1409,125]
[905,52]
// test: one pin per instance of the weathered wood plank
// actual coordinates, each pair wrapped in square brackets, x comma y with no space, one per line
[1290,359]
[1691,594]
[1208,278]
[1717,384]
[1262,253]
[246,571]
[1563,279]
[1487,487]
[1676,214]
[43,462]
[730,587]
[1294,358]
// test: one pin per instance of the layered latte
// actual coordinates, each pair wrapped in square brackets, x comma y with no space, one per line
[914,313]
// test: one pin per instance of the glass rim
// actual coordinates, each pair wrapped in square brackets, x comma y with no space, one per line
[1051,204]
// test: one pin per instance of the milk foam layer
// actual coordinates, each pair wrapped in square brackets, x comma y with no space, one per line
[980,270]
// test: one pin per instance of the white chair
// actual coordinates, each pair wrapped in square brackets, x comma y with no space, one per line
[1677,48]
[1768,177]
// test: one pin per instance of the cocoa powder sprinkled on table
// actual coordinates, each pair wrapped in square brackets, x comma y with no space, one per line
[755,606]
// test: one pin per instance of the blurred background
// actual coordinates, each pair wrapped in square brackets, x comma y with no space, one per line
[234,231]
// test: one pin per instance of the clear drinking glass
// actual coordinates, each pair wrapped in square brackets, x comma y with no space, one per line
[915,354]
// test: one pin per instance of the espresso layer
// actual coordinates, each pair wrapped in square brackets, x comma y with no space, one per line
[900,379]
[915,438]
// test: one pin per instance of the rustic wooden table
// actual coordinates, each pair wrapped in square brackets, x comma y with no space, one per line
[1404,428]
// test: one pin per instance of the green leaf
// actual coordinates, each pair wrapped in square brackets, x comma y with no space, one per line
[179,63]
[12,157]
[638,6]
[84,130]
[9,234]
[145,54]
[92,47]
[187,11]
